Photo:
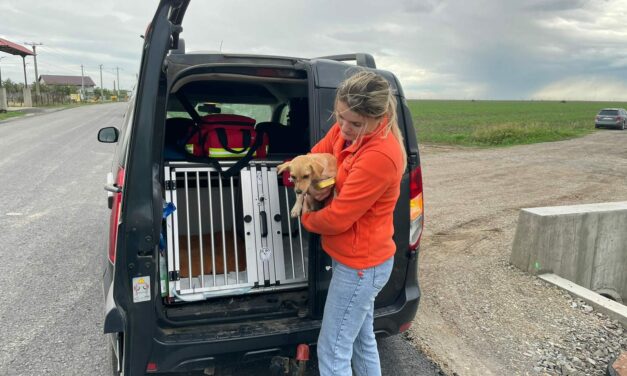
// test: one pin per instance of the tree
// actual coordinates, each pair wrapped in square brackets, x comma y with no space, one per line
[12,87]
[98,92]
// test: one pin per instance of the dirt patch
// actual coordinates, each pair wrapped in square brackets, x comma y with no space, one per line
[478,314]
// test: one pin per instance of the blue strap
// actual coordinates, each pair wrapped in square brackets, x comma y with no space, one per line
[168,209]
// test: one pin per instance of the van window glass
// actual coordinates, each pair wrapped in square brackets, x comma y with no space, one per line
[283,119]
[178,114]
[609,112]
[256,111]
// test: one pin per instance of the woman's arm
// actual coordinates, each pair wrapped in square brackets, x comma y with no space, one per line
[369,178]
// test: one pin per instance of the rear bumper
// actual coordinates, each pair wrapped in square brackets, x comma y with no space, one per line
[607,124]
[198,347]
[194,349]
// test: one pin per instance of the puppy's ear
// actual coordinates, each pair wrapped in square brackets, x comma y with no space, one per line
[317,168]
[282,167]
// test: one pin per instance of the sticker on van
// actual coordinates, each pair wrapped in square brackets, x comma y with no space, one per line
[141,289]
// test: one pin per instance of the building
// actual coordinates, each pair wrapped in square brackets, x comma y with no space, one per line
[54,80]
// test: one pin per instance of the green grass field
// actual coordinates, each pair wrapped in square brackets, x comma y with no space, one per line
[502,123]
[10,114]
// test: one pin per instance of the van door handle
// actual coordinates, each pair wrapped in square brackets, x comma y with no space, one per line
[112,188]
[264,224]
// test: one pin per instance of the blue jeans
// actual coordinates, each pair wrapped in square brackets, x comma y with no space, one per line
[347,324]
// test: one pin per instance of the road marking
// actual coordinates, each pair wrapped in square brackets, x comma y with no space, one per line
[14,214]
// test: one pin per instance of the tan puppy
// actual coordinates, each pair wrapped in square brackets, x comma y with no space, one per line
[305,170]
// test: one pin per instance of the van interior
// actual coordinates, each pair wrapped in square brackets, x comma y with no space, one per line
[230,244]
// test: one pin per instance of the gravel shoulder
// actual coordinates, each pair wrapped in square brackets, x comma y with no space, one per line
[478,314]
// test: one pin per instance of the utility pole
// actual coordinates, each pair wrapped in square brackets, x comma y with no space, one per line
[82,83]
[101,87]
[1,71]
[117,93]
[24,64]
[34,45]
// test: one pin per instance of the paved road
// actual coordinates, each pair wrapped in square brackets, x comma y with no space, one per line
[52,220]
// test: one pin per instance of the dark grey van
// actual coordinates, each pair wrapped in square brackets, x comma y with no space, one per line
[205,266]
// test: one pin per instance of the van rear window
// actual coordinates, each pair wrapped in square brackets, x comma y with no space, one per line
[256,111]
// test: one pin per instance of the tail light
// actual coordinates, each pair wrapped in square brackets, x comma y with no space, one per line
[114,222]
[404,327]
[151,367]
[416,209]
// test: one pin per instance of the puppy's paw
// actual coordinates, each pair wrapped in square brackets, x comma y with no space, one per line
[295,212]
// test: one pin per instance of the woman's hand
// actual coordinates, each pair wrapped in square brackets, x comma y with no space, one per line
[308,204]
[319,194]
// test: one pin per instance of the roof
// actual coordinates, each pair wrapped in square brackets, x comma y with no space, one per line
[50,79]
[14,48]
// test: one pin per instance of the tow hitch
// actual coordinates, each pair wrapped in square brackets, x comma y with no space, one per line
[284,366]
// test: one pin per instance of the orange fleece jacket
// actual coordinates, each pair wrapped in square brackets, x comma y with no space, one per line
[356,227]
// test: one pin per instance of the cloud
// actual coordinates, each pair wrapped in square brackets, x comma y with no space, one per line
[484,49]
[421,6]
[595,88]
[554,5]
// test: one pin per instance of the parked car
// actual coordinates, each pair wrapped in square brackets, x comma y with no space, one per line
[612,118]
[205,268]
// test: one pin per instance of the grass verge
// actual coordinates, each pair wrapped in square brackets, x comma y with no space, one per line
[10,114]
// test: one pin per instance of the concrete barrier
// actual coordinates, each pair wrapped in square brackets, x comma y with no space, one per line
[586,244]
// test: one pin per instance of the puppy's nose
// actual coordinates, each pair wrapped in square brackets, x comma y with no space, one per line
[299,191]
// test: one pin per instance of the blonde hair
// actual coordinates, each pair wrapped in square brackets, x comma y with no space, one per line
[369,94]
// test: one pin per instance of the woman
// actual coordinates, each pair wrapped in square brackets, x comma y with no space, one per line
[356,227]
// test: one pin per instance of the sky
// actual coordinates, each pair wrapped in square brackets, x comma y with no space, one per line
[439,49]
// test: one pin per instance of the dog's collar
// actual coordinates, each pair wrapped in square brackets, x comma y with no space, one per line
[320,184]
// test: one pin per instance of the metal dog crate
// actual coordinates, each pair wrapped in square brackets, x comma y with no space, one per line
[220,215]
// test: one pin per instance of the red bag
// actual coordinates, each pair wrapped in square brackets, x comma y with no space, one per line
[225,136]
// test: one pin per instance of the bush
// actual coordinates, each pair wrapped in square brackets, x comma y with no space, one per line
[513,134]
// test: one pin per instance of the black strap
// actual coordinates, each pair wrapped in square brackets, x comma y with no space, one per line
[237,167]
[240,164]
[221,132]
[202,159]
[206,160]
[188,107]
